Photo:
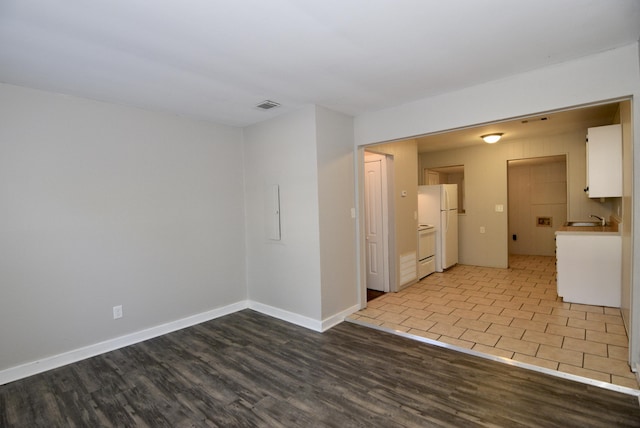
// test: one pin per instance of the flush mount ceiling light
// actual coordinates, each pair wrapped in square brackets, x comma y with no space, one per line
[491,138]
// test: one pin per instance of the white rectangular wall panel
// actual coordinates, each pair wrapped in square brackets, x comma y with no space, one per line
[273,212]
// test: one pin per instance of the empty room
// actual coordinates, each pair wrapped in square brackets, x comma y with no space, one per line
[189,234]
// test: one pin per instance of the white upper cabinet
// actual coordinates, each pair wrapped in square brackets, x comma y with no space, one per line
[604,161]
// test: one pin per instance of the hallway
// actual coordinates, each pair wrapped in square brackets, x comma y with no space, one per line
[512,313]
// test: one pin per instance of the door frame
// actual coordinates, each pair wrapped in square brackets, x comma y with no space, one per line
[536,160]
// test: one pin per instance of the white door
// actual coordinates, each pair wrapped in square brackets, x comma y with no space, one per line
[374,230]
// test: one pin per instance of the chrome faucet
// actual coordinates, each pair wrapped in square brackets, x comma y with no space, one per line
[599,218]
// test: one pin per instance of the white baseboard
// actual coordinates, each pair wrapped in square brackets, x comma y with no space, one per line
[336,319]
[28,369]
[283,315]
[301,320]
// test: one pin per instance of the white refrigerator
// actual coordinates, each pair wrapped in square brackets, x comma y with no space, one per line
[438,205]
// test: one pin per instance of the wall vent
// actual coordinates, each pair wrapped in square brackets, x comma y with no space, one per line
[408,268]
[267,105]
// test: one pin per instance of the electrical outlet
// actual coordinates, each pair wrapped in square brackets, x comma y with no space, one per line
[482,230]
[117,312]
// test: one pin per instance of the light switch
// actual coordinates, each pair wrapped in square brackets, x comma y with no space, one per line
[499,208]
[482,230]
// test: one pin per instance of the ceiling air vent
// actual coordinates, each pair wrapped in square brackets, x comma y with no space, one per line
[268,105]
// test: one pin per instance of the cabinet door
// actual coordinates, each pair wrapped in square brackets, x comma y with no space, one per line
[589,268]
[604,161]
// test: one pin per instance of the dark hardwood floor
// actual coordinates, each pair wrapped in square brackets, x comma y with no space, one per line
[372,294]
[247,369]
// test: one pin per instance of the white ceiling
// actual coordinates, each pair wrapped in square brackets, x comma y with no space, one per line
[217,59]
[538,126]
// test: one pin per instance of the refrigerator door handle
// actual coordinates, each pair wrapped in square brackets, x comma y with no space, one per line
[445,221]
[445,198]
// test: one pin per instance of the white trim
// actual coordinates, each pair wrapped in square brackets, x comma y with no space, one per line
[291,317]
[371,157]
[336,319]
[49,363]
[28,369]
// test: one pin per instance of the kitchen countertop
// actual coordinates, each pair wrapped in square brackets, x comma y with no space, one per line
[609,229]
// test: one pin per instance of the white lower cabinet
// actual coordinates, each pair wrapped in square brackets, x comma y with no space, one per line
[589,268]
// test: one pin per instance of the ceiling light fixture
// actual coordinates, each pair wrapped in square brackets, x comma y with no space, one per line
[491,138]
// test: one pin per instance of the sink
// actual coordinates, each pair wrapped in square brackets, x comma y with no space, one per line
[584,223]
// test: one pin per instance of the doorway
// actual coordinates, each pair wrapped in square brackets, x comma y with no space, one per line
[565,135]
[537,204]
[376,210]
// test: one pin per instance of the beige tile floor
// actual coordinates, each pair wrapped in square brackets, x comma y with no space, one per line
[513,313]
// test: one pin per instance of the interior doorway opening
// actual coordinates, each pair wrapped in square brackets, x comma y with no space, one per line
[565,123]
[537,204]
[377,223]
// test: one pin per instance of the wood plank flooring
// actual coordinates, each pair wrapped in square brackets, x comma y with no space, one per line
[247,369]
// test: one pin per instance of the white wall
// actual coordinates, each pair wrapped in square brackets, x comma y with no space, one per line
[605,76]
[336,195]
[309,276]
[485,172]
[404,178]
[284,275]
[625,207]
[538,190]
[106,205]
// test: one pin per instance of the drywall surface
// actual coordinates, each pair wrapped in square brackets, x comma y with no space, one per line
[105,205]
[405,198]
[336,196]
[604,76]
[284,274]
[628,227]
